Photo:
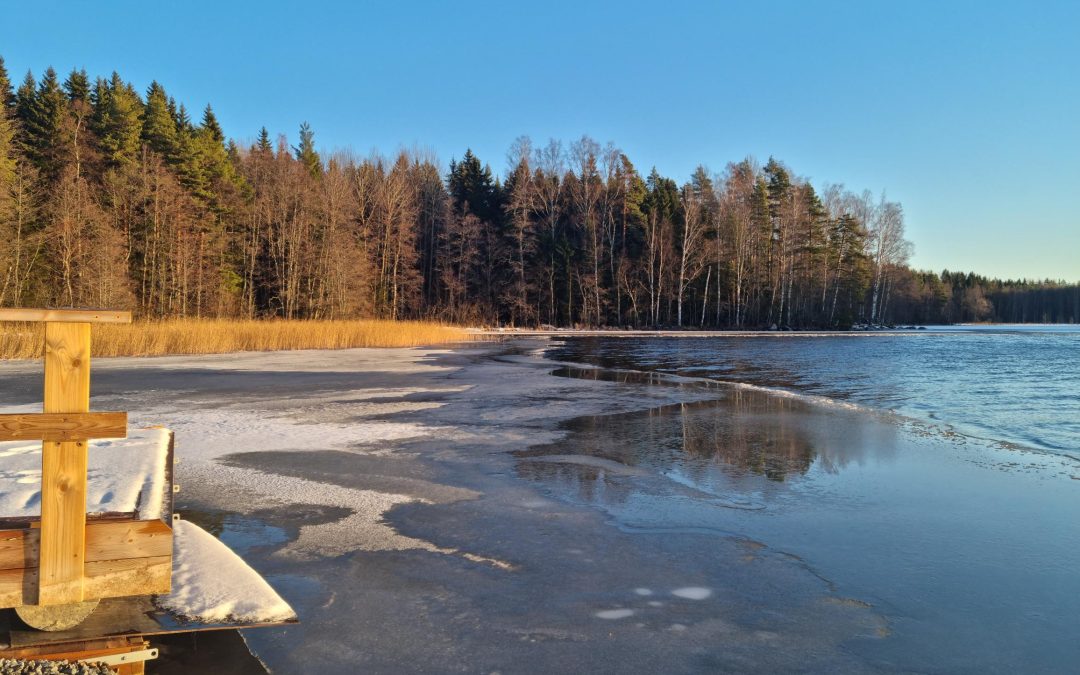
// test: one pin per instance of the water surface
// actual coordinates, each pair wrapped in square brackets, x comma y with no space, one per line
[930,475]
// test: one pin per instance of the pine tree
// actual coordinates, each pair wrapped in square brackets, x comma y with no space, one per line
[305,152]
[159,123]
[473,188]
[190,161]
[7,94]
[42,117]
[233,151]
[77,86]
[116,120]
[264,144]
[183,119]
[210,124]
[7,159]
[25,97]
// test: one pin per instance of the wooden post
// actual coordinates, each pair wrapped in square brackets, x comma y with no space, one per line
[63,467]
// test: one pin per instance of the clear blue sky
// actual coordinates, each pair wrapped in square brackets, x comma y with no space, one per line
[966,112]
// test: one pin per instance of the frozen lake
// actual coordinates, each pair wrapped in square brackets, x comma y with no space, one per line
[486,509]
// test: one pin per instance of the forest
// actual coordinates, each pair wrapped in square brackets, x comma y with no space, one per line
[114,197]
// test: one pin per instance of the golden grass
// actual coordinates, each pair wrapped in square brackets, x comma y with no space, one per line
[219,336]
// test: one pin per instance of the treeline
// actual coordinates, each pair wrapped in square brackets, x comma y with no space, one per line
[958,297]
[109,197]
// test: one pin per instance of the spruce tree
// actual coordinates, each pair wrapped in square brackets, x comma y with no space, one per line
[7,162]
[42,120]
[77,86]
[210,124]
[474,190]
[159,123]
[189,162]
[305,152]
[116,120]
[233,151]
[183,119]
[264,144]
[25,102]
[7,94]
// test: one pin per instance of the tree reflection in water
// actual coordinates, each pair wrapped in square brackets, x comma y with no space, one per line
[721,447]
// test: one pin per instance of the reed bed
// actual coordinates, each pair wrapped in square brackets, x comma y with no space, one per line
[219,336]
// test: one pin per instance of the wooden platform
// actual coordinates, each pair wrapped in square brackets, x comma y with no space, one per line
[119,625]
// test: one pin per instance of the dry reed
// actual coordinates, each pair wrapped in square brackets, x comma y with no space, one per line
[218,336]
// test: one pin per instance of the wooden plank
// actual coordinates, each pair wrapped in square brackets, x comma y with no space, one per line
[18,587]
[63,467]
[63,426]
[105,540]
[81,649]
[117,540]
[66,315]
[136,576]
[67,368]
[18,549]
[103,579]
[77,649]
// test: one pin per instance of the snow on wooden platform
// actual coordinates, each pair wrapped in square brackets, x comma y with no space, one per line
[124,475]
[211,584]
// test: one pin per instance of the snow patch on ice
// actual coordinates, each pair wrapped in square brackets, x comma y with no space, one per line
[206,434]
[612,614]
[364,530]
[212,584]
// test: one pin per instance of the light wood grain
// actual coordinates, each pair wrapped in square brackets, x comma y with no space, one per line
[105,540]
[135,576]
[63,426]
[66,315]
[122,539]
[63,466]
[18,549]
[103,579]
[123,557]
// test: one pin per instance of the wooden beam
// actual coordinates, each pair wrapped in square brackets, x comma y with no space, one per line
[105,540]
[63,467]
[112,564]
[120,539]
[63,426]
[66,315]
[104,579]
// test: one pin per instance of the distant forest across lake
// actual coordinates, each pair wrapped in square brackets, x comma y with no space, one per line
[109,197]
